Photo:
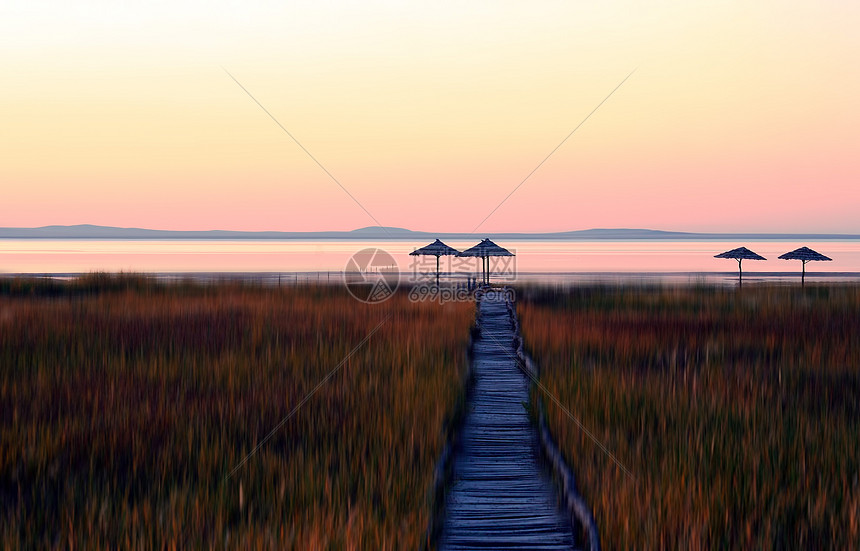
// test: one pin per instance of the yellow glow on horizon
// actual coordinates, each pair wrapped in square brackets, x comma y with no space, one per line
[122,115]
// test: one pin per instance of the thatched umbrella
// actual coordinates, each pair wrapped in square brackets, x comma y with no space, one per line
[740,254]
[437,249]
[804,254]
[484,250]
[478,251]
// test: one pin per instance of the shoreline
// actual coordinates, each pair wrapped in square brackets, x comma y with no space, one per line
[332,277]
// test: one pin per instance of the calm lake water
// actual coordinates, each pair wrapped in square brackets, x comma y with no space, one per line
[534,259]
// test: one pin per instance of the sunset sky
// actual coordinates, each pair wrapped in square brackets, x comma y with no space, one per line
[740,116]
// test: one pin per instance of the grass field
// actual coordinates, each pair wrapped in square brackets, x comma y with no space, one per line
[737,411]
[124,404]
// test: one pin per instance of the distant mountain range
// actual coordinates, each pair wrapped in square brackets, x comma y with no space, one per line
[87,231]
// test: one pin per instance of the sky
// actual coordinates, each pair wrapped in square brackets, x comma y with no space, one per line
[738,116]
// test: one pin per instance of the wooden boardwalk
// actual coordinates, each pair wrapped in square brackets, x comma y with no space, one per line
[501,495]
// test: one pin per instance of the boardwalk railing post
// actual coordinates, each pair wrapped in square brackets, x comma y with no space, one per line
[575,505]
[500,495]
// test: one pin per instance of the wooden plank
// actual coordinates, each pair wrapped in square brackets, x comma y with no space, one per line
[501,496]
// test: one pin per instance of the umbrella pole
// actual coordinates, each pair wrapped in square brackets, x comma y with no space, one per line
[740,271]
[437,270]
[803,274]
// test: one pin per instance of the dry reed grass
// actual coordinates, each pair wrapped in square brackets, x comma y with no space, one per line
[125,404]
[738,412]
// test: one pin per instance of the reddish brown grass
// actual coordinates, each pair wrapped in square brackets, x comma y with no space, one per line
[737,412]
[125,404]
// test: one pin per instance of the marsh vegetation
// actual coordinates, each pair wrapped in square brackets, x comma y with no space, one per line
[737,411]
[126,404]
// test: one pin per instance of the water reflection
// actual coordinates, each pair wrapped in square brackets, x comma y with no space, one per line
[685,262]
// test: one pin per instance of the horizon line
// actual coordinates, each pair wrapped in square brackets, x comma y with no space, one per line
[60,231]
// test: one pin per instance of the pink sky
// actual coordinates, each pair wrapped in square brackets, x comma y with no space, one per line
[738,118]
